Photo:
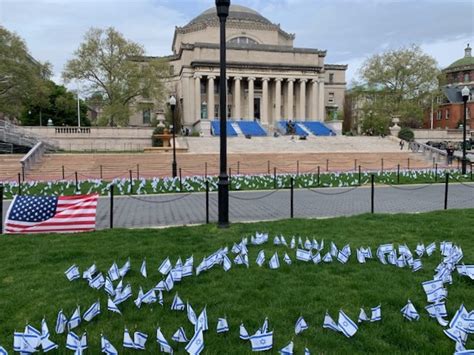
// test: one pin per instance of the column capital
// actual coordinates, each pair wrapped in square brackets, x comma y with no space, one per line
[314,81]
[291,80]
[237,78]
[303,80]
[213,77]
[279,79]
[265,79]
[197,76]
[251,78]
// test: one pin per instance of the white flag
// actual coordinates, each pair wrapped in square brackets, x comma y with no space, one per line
[243,334]
[376,314]
[287,350]
[287,259]
[329,323]
[143,268]
[72,273]
[222,325]
[61,322]
[164,345]
[75,319]
[300,326]
[274,261]
[107,347]
[362,316]
[180,336]
[347,326]
[93,311]
[260,258]
[196,344]
[178,304]
[262,341]
[165,267]
[111,306]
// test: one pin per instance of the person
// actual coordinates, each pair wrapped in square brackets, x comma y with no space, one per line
[402,144]
[450,153]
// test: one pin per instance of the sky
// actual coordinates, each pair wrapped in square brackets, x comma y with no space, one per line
[350,30]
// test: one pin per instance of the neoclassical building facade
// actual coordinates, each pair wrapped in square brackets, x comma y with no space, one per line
[268,79]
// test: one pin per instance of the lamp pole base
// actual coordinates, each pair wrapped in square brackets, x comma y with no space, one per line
[174,169]
[223,198]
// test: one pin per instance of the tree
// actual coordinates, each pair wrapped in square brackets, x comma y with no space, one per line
[22,78]
[60,105]
[404,80]
[113,67]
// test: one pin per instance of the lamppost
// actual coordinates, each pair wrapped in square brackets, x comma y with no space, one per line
[172,103]
[223,184]
[465,96]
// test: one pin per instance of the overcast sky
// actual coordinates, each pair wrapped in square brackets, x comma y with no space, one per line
[350,30]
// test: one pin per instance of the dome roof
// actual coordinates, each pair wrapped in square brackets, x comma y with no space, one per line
[236,12]
[467,60]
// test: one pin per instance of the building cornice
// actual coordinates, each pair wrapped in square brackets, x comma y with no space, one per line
[335,66]
[256,47]
[259,66]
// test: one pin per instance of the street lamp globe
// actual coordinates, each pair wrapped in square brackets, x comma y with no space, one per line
[465,93]
[172,101]
[222,8]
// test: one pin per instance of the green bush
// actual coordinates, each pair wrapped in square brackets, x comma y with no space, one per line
[406,134]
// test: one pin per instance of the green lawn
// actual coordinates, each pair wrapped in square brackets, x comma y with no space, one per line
[32,284]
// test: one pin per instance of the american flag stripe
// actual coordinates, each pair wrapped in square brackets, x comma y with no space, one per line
[68,214]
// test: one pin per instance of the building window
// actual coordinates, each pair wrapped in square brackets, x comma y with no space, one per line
[446,115]
[242,40]
[216,111]
[171,70]
[438,115]
[331,98]
[203,87]
[331,78]
[229,111]
[466,77]
[146,116]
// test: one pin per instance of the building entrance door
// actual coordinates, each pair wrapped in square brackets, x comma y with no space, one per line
[256,107]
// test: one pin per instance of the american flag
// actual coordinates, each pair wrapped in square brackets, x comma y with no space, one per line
[45,214]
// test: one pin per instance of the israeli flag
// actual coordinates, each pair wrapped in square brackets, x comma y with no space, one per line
[109,287]
[306,351]
[25,343]
[165,267]
[188,267]
[420,249]
[432,285]
[178,304]
[376,314]
[316,258]
[125,268]
[89,272]
[303,255]
[243,334]
[72,273]
[222,325]
[436,310]
[262,342]
[334,251]
[347,326]
[274,261]
[93,311]
[169,283]
[287,350]
[308,245]
[417,265]
[260,258]
[360,257]
[138,300]
[78,345]
[437,295]
[46,344]
[226,263]
[283,241]
[164,345]
[459,316]
[107,347]
[362,316]
[111,306]
[149,297]
[235,249]
[300,326]
[191,314]
[329,323]
[287,259]
[430,249]
[342,257]
[97,282]
[143,269]
[293,243]
[124,295]
[113,272]
[61,322]
[75,319]
[118,290]
[3,351]
[264,327]
[202,321]
[409,312]
[327,258]
[276,241]
[456,335]
[196,344]
[300,243]
[180,336]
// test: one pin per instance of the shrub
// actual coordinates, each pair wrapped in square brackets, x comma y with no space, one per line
[406,134]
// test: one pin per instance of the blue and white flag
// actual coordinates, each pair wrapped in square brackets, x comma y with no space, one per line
[261,341]
[226,263]
[276,241]
[308,245]
[93,311]
[456,335]
[164,345]
[300,326]
[61,323]
[109,287]
[409,312]
[334,251]
[417,265]
[316,258]
[222,325]
[124,269]
[113,272]
[260,258]
[274,261]
[138,342]
[303,255]
[188,267]
[436,310]
[329,323]
[191,314]
[292,243]
[287,350]
[25,343]
[165,267]
[124,295]
[106,346]
[3,351]
[89,273]
[169,283]
[180,336]
[430,249]
[202,321]
[149,297]
[46,344]
[111,306]
[75,319]
[143,268]
[346,325]
[362,316]
[327,258]
[300,243]
[196,344]
[360,257]
[243,334]
[376,314]
[432,285]
[76,344]
[72,273]
[97,282]
[437,295]
[286,259]
[119,288]
[283,241]
[342,257]
[420,249]
[138,300]
[178,304]
[306,351]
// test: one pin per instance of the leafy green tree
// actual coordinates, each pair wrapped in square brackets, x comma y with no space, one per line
[115,68]
[404,80]
[22,78]
[60,105]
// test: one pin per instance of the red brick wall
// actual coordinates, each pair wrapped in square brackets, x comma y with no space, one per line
[455,116]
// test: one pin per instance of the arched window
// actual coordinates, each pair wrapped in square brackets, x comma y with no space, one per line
[242,40]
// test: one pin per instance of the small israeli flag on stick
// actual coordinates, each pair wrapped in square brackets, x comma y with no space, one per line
[226,263]
[376,314]
[274,261]
[165,267]
[75,319]
[3,351]
[114,273]
[362,316]
[178,304]
[93,311]
[143,269]
[300,326]
[61,322]
[243,334]
[109,287]
[107,347]
[72,273]
[180,336]
[329,323]
[202,321]
[196,344]
[347,326]
[124,269]
[262,341]
[287,350]
[260,258]
[191,314]
[306,351]
[164,345]
[286,259]
[222,325]
[409,312]
[111,306]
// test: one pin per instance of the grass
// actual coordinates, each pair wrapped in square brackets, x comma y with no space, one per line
[32,284]
[238,182]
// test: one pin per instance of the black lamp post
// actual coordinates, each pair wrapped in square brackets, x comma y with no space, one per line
[172,102]
[465,96]
[223,184]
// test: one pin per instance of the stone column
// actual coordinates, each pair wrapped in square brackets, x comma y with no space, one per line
[237,112]
[314,100]
[251,96]
[321,105]
[290,98]
[303,99]
[278,99]
[197,96]
[210,97]
[265,101]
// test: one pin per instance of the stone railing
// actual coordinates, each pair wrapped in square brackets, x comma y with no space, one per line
[428,151]
[33,156]
[72,130]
